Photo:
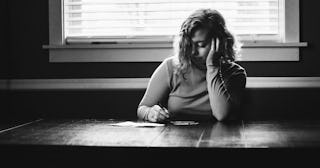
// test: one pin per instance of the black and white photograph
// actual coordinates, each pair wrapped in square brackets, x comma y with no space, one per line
[169,83]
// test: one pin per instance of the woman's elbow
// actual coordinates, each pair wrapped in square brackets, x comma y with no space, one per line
[227,112]
[221,113]
[221,117]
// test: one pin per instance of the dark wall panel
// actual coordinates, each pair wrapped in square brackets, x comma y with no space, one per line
[74,104]
[4,56]
[4,40]
[28,32]
[259,104]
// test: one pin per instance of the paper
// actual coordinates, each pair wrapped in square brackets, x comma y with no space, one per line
[136,124]
[150,124]
[184,122]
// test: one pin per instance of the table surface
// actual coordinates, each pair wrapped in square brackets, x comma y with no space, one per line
[99,132]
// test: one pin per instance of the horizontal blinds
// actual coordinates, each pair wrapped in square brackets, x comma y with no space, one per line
[114,18]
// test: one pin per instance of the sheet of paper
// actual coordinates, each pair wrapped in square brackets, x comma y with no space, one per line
[184,122]
[150,124]
[137,124]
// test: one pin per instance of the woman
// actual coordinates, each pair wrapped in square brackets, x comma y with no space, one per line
[201,81]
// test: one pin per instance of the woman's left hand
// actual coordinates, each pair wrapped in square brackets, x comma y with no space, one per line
[214,54]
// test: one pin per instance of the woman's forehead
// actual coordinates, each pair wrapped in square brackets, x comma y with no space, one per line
[200,35]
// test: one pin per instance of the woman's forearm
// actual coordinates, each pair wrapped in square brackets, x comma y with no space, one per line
[218,93]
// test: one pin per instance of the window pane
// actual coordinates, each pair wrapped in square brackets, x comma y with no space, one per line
[110,18]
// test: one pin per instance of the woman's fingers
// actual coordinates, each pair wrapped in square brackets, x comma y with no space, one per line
[158,114]
[217,42]
[164,112]
[162,115]
[161,118]
[211,52]
[152,116]
[212,57]
[215,45]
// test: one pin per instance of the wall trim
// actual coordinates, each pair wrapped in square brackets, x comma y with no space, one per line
[4,84]
[141,83]
[149,54]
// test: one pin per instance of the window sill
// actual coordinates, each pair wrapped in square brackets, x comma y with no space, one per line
[156,52]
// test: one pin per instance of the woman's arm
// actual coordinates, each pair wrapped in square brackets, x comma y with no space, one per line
[157,91]
[225,86]
[225,89]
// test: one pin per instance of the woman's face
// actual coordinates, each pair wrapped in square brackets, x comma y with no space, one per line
[202,44]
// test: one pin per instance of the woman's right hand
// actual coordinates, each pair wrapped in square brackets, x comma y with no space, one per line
[157,114]
[213,55]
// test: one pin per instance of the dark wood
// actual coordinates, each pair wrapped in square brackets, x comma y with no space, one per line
[80,132]
[13,123]
[180,136]
[90,141]
[92,132]
[223,135]
[282,134]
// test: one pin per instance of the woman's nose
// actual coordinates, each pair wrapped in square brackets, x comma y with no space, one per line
[195,52]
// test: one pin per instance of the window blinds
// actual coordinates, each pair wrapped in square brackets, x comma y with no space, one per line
[134,18]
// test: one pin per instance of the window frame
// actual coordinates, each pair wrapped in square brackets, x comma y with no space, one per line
[158,50]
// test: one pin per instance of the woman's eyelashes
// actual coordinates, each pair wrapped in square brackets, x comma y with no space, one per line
[201,44]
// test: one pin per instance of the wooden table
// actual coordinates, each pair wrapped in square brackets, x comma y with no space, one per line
[83,139]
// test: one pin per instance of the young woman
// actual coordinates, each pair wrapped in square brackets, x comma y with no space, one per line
[201,81]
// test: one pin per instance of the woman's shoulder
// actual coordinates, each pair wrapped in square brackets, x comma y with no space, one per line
[171,62]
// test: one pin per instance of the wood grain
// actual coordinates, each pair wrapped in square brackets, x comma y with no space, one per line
[91,132]
[282,134]
[81,133]
[180,136]
[223,135]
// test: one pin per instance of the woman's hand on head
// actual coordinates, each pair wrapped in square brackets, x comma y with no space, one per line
[214,54]
[157,114]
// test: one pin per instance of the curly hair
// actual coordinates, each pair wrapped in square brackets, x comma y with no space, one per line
[213,21]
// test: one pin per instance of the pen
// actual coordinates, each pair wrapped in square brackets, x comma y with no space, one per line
[162,107]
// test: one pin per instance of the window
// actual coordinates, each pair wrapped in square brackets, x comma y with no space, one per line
[132,29]
[125,19]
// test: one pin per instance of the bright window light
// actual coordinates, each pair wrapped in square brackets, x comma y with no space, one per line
[249,19]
